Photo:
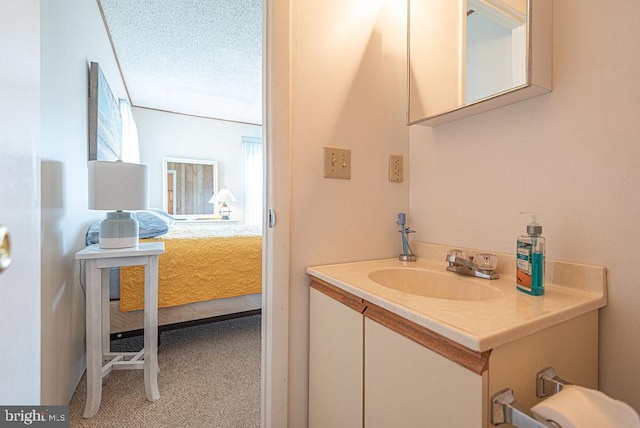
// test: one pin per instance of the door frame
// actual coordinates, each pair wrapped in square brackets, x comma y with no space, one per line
[275,262]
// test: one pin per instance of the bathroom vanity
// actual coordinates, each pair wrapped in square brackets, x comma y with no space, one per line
[419,346]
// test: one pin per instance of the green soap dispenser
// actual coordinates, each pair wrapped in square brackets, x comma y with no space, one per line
[530,259]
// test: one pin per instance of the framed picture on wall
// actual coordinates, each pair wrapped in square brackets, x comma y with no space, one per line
[105,121]
[188,185]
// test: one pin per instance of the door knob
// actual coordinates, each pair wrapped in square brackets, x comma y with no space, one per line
[5,249]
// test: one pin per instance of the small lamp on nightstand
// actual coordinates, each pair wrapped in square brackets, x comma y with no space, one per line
[224,196]
[118,186]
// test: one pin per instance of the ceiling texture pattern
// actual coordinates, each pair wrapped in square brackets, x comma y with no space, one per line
[196,57]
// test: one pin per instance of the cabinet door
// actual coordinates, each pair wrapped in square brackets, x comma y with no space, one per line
[335,364]
[407,385]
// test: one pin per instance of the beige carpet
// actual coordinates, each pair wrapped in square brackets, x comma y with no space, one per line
[209,377]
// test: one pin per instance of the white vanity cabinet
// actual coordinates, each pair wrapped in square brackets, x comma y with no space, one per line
[369,367]
[408,385]
[335,363]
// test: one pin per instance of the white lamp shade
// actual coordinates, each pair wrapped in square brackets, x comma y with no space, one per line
[118,186]
[223,195]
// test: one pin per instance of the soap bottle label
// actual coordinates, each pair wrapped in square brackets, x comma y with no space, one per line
[523,266]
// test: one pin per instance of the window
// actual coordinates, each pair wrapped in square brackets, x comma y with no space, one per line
[253,179]
[130,147]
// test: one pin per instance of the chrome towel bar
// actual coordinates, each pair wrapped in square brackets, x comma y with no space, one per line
[506,410]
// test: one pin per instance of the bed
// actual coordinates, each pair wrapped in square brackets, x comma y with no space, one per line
[208,272]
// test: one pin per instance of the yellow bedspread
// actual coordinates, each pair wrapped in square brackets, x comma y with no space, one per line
[201,262]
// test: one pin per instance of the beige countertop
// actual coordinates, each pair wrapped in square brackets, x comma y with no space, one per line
[571,290]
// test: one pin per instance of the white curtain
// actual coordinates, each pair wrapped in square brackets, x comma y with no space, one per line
[130,146]
[253,179]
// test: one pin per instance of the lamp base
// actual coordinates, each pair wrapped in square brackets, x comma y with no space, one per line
[118,230]
[225,211]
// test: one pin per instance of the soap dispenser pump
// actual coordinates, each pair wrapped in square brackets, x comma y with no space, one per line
[530,259]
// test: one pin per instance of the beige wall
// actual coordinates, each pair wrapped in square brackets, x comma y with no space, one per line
[572,155]
[347,90]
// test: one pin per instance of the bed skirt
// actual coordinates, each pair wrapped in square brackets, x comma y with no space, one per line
[129,321]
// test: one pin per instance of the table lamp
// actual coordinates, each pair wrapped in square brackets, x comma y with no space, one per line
[224,196]
[118,186]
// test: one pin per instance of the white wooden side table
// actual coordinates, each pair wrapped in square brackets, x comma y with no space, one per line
[100,360]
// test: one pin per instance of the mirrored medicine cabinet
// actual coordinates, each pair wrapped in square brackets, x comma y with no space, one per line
[469,56]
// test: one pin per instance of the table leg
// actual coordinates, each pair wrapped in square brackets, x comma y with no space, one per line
[151,329]
[94,341]
[106,327]
[106,322]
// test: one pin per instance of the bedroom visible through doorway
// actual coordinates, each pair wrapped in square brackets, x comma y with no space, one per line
[194,78]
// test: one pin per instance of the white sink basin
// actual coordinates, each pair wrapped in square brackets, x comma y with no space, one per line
[436,285]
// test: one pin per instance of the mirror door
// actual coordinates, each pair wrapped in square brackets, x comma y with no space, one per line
[470,56]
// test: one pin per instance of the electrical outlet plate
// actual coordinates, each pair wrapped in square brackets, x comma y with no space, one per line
[395,168]
[337,163]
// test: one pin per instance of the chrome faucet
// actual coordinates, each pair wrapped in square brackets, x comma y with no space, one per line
[460,264]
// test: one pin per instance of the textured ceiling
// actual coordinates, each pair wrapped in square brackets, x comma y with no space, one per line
[198,57]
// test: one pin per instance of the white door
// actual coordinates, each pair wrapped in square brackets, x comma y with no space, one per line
[20,201]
